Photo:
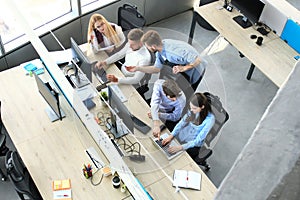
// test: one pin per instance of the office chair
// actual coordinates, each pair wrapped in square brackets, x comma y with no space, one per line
[129,17]
[202,22]
[3,148]
[20,177]
[221,117]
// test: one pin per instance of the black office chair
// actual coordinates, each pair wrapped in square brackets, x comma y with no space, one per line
[3,148]
[221,117]
[20,177]
[129,17]
[202,22]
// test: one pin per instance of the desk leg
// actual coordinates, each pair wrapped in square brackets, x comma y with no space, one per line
[250,72]
[192,30]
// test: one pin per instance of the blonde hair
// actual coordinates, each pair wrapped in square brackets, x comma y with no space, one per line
[109,32]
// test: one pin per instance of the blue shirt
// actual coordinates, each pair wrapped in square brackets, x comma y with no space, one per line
[190,135]
[169,110]
[180,53]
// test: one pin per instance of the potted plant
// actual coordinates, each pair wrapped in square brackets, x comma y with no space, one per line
[104,95]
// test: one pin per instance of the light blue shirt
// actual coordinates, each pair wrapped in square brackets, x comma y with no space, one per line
[161,103]
[180,53]
[190,135]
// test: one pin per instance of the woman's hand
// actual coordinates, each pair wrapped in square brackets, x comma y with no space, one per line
[174,149]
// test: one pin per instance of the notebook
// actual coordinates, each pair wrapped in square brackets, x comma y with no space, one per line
[164,149]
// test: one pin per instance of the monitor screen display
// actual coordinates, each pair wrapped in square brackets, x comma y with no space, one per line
[119,114]
[81,60]
[50,96]
[251,9]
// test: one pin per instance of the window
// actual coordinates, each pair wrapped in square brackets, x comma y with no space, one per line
[42,16]
[88,5]
[38,13]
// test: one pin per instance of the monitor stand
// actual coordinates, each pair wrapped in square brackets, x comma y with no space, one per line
[52,115]
[80,80]
[242,21]
[118,130]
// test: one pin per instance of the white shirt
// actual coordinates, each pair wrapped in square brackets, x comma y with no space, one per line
[139,57]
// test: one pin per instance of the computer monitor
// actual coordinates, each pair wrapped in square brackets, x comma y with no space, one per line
[251,10]
[121,121]
[79,60]
[51,97]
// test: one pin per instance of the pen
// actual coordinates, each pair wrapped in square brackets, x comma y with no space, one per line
[62,195]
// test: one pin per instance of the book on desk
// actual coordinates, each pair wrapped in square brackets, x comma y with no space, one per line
[187,179]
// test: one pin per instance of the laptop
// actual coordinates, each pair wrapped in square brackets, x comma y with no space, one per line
[273,18]
[164,149]
[100,74]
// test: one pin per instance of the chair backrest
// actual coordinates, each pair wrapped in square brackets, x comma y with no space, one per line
[15,167]
[129,17]
[1,123]
[221,116]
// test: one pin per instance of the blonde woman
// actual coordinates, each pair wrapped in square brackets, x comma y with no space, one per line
[103,35]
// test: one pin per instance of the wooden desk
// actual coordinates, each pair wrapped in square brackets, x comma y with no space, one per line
[274,58]
[50,151]
[57,150]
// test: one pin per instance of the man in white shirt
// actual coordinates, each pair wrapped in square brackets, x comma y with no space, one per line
[136,54]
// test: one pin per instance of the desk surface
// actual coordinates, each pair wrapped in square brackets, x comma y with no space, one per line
[274,57]
[57,150]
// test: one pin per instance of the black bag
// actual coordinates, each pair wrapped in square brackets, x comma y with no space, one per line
[129,17]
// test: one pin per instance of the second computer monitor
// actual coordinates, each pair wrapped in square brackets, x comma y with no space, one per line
[119,115]
[81,61]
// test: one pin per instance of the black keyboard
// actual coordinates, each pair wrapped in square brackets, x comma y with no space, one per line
[140,125]
[165,148]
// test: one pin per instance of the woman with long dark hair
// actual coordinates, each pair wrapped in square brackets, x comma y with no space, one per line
[192,129]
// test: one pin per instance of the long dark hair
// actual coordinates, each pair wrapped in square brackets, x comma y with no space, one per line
[199,100]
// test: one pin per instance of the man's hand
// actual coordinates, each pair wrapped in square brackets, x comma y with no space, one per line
[112,78]
[177,69]
[156,131]
[100,64]
[131,68]
[167,140]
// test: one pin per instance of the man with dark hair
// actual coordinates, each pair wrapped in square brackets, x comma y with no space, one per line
[167,104]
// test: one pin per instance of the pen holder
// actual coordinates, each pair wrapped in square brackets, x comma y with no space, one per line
[87,174]
[87,171]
